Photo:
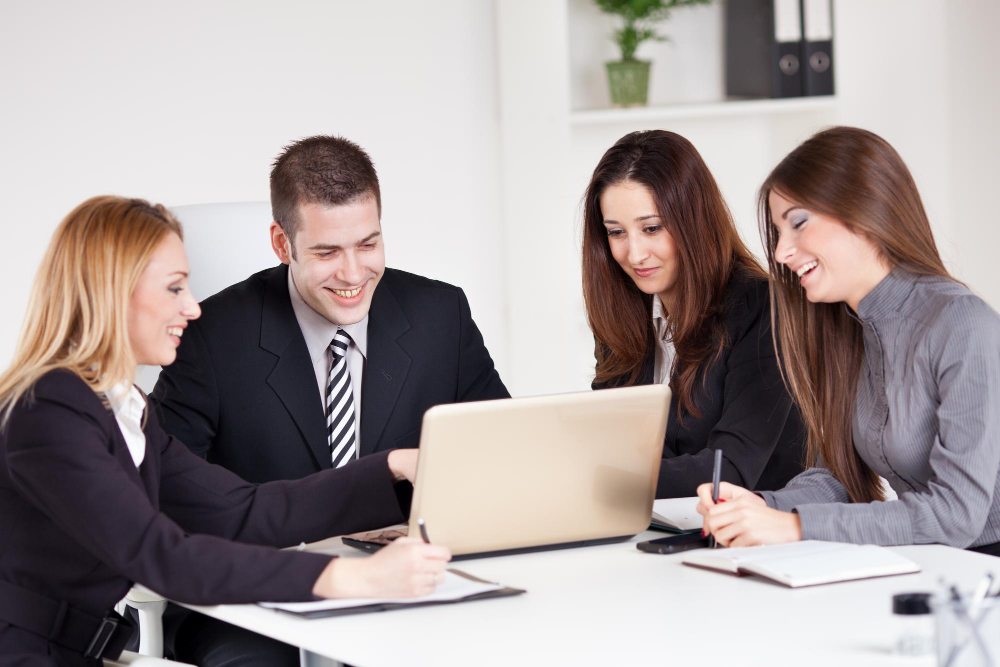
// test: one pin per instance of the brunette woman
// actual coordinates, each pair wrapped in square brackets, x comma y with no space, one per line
[95,496]
[896,365]
[674,296]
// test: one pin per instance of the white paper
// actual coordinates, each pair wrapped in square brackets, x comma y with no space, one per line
[679,513]
[455,587]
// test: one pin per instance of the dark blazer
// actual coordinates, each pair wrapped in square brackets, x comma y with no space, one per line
[243,393]
[79,523]
[745,410]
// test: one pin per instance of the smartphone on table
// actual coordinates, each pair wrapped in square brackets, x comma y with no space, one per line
[674,544]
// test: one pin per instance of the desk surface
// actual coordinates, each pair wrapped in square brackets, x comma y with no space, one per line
[592,605]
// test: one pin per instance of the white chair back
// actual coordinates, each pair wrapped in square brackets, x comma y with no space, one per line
[225,244]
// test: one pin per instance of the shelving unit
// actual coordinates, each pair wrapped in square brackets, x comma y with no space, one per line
[551,58]
[723,109]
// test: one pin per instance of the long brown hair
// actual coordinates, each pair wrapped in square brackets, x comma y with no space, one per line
[857,178]
[709,249]
[78,309]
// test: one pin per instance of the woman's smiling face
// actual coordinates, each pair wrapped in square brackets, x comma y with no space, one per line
[638,239]
[833,263]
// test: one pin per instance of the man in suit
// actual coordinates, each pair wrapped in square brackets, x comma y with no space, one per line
[326,358]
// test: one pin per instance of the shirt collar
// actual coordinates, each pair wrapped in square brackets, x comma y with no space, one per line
[888,296]
[125,400]
[659,318]
[319,331]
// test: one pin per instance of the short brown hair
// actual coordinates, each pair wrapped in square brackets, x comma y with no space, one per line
[320,170]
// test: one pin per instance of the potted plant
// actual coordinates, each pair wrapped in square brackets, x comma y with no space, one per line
[628,78]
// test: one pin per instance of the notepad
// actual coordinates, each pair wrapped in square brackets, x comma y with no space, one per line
[457,587]
[676,515]
[807,563]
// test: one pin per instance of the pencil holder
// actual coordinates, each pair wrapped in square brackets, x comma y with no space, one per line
[968,635]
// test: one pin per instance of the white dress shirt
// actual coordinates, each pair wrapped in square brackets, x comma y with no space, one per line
[128,405]
[318,332]
[665,353]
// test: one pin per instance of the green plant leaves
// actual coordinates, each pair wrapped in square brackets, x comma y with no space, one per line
[638,17]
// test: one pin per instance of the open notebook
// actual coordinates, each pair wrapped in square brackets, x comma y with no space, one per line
[806,563]
[457,587]
[676,515]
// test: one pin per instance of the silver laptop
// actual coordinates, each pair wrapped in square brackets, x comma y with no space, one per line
[525,474]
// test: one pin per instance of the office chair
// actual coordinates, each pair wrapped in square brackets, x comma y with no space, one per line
[129,659]
[225,243]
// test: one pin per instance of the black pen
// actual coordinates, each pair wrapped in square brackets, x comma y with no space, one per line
[716,478]
[423,531]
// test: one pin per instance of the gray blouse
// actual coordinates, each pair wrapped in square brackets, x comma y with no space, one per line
[927,419]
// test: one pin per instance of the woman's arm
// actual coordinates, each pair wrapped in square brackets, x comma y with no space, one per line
[206,498]
[964,459]
[60,460]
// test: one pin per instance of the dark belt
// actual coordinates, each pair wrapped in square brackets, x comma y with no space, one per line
[56,621]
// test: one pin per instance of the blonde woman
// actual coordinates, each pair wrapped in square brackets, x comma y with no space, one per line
[95,496]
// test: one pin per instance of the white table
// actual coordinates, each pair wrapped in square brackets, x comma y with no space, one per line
[614,605]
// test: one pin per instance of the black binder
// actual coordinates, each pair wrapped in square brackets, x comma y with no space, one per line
[817,31]
[763,48]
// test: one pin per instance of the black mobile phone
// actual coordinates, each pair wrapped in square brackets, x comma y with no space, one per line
[674,544]
[373,543]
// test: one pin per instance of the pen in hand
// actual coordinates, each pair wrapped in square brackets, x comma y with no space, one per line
[716,478]
[423,531]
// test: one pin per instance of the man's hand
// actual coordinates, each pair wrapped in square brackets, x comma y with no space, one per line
[405,568]
[403,464]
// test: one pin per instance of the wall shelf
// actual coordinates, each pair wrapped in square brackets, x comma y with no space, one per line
[727,108]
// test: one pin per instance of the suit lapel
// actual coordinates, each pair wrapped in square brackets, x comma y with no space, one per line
[646,376]
[385,367]
[292,376]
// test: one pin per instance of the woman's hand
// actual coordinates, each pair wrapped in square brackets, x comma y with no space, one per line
[727,493]
[741,518]
[403,464]
[405,568]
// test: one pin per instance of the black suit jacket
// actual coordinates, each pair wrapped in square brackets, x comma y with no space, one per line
[243,393]
[745,409]
[79,523]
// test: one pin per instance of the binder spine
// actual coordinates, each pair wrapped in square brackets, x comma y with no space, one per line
[764,53]
[817,30]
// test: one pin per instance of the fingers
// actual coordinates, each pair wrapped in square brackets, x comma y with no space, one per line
[729,491]
[705,498]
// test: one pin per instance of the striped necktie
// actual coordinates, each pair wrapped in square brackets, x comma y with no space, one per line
[340,423]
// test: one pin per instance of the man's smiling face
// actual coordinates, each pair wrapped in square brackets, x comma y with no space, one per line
[336,257]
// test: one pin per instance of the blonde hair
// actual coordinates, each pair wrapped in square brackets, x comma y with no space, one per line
[77,317]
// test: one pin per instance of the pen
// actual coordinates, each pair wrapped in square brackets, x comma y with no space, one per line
[716,478]
[423,531]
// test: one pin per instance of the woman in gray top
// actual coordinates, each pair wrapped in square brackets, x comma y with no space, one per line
[902,382]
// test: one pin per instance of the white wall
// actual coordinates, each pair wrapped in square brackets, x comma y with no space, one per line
[188,102]
[973,97]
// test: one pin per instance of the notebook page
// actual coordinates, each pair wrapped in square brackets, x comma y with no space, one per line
[805,549]
[680,513]
[455,587]
[851,562]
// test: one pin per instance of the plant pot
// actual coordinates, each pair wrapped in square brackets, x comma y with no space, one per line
[629,82]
